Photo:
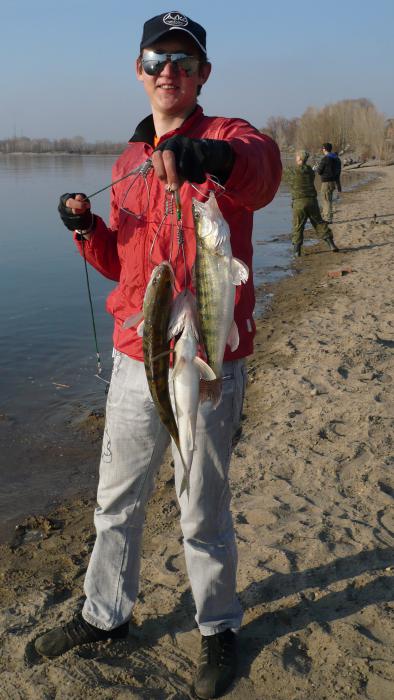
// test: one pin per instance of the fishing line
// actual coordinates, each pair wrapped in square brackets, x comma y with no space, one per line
[140,170]
[98,359]
[180,233]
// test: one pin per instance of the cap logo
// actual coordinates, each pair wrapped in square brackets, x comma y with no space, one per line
[175,20]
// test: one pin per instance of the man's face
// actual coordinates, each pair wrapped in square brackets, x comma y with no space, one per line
[172,92]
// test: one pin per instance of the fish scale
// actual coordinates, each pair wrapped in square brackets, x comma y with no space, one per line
[214,289]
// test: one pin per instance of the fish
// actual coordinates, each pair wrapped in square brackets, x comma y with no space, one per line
[156,345]
[188,368]
[217,273]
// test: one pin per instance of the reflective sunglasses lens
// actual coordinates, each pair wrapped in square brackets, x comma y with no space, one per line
[153,63]
[153,66]
[188,64]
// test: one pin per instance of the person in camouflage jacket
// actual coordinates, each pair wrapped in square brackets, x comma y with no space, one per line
[305,205]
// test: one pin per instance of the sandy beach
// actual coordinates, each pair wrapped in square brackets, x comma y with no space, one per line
[313,506]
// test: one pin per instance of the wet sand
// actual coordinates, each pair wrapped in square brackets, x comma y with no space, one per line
[313,507]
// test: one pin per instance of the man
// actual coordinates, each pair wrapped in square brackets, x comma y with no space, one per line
[329,170]
[184,146]
[305,205]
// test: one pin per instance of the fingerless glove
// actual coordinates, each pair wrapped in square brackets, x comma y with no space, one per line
[195,158]
[79,222]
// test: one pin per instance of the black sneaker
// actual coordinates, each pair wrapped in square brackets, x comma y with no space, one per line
[217,665]
[73,634]
[331,245]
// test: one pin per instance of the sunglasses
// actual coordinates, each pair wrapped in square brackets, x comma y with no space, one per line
[153,63]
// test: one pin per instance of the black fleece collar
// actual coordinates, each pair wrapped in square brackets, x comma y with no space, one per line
[145,131]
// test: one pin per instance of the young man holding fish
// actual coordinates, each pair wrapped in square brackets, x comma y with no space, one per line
[181,151]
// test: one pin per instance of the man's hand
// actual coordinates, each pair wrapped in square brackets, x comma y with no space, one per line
[180,158]
[74,210]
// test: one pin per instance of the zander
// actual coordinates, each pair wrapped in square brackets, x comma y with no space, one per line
[217,273]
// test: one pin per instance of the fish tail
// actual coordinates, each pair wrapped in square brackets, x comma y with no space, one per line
[185,485]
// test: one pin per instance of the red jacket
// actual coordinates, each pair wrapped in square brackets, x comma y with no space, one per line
[136,242]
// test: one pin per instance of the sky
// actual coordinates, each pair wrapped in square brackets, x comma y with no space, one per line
[67,68]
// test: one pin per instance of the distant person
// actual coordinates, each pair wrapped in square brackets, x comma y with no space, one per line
[183,146]
[305,204]
[329,170]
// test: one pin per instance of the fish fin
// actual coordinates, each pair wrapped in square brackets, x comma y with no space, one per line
[133,320]
[239,271]
[233,337]
[177,317]
[178,367]
[185,485]
[184,311]
[205,371]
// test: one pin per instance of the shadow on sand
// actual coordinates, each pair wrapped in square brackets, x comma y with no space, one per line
[271,625]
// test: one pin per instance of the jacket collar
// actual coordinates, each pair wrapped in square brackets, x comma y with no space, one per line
[145,130]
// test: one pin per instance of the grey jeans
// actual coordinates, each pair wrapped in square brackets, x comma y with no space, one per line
[133,447]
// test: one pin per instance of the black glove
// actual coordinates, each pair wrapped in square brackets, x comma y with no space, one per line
[196,157]
[80,222]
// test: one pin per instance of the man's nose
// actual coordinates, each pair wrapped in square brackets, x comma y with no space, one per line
[169,69]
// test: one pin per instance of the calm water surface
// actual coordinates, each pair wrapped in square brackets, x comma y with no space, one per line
[47,353]
[45,326]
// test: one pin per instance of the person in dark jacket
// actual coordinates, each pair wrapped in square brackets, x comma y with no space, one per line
[305,205]
[329,170]
[175,149]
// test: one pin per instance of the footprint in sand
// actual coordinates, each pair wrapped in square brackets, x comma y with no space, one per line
[295,656]
[343,372]
[169,564]
[241,519]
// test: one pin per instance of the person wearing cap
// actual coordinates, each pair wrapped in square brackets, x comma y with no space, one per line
[175,149]
[305,205]
[329,170]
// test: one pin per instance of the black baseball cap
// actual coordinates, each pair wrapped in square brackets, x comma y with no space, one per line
[162,24]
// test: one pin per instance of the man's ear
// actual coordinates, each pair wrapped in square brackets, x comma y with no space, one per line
[204,73]
[139,69]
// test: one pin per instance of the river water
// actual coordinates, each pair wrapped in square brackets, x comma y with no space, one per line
[47,352]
